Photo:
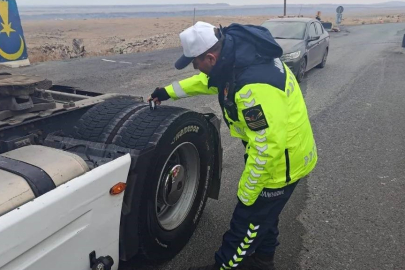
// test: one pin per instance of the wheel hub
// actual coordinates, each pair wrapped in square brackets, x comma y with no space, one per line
[174,185]
[178,186]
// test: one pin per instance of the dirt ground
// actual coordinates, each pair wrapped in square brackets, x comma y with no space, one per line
[56,40]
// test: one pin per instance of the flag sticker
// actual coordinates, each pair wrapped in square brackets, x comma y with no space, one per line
[12,43]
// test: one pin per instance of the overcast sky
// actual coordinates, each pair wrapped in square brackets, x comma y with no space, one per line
[232,2]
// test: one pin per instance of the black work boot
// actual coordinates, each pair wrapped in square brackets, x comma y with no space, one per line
[258,261]
[208,267]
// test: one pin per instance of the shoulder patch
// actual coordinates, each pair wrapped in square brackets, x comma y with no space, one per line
[255,118]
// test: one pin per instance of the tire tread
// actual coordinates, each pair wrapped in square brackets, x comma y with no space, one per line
[145,128]
[99,122]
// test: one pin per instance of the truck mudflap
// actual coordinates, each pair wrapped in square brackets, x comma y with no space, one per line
[215,186]
[60,229]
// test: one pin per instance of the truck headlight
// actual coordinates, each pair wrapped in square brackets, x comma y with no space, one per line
[291,56]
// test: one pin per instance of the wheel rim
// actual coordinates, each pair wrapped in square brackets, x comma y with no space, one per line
[178,185]
[303,66]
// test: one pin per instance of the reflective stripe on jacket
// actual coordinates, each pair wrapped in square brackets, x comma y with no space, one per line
[193,86]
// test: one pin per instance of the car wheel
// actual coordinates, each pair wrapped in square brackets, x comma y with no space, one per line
[178,176]
[302,69]
[325,57]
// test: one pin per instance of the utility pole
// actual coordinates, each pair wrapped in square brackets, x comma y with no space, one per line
[285,7]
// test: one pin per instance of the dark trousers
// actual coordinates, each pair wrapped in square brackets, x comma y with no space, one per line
[254,228]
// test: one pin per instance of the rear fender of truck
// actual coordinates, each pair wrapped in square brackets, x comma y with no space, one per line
[215,186]
[60,229]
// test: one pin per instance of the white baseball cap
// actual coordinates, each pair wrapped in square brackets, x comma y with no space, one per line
[195,41]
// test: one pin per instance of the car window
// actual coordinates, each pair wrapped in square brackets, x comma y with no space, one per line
[312,30]
[319,29]
[286,30]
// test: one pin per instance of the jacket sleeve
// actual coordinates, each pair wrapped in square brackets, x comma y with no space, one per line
[193,86]
[266,139]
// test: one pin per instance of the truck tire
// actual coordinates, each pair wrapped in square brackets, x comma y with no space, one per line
[102,122]
[178,177]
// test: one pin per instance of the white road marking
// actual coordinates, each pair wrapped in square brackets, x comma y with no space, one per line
[108,60]
[123,62]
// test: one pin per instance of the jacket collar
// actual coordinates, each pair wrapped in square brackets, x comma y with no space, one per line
[222,71]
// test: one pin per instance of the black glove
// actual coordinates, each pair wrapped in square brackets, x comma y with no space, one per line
[161,94]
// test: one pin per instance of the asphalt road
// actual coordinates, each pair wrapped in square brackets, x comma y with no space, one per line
[350,213]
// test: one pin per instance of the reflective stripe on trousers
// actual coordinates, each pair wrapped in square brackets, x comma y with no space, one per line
[253,228]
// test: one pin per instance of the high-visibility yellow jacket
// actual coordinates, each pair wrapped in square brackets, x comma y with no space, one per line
[272,119]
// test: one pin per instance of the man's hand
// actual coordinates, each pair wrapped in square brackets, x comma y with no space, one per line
[159,95]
